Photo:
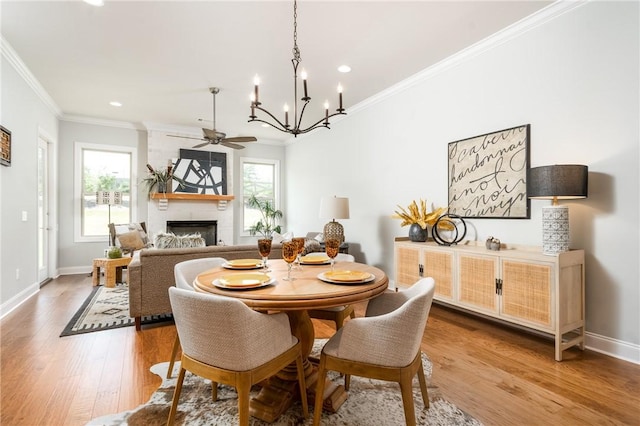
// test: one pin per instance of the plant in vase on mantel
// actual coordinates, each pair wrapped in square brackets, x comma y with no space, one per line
[158,180]
[419,219]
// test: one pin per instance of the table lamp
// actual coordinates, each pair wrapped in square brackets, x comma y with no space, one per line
[111,198]
[334,208]
[557,182]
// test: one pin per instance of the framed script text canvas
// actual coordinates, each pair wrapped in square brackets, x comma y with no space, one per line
[5,141]
[488,175]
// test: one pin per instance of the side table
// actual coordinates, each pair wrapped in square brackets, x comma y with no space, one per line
[112,270]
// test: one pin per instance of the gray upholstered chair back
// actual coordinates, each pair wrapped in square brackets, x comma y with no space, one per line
[391,332]
[225,333]
[187,271]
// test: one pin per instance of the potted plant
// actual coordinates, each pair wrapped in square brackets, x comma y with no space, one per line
[418,218]
[267,225]
[159,180]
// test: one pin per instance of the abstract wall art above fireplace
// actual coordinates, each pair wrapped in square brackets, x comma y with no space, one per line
[203,172]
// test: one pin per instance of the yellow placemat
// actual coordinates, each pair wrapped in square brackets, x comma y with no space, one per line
[244,263]
[347,276]
[244,280]
[315,259]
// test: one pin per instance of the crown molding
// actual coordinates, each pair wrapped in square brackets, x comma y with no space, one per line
[507,34]
[12,57]
[101,122]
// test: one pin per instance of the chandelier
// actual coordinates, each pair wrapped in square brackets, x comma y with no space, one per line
[294,127]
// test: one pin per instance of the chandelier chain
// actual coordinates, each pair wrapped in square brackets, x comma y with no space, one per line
[295,128]
[296,50]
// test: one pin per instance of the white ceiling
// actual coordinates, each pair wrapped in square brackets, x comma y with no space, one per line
[160,57]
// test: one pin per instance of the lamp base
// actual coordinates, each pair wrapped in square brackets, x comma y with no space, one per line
[334,230]
[555,229]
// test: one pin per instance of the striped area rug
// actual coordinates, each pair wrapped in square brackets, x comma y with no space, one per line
[106,309]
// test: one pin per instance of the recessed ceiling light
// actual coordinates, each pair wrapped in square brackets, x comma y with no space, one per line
[344,68]
[97,3]
[265,125]
[115,103]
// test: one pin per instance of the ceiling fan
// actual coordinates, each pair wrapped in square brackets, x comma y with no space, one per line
[214,137]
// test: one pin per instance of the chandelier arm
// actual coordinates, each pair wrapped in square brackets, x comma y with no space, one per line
[320,122]
[269,124]
[280,123]
[299,121]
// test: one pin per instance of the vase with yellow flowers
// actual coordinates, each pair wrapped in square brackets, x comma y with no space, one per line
[418,218]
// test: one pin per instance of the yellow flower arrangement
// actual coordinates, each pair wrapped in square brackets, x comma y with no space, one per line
[420,215]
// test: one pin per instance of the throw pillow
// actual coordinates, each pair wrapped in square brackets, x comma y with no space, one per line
[311,246]
[131,240]
[128,227]
[164,240]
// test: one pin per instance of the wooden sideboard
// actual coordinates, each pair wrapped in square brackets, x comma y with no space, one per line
[518,285]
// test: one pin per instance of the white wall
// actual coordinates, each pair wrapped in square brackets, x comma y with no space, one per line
[573,77]
[75,257]
[26,116]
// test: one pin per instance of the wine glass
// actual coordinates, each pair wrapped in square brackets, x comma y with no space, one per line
[289,254]
[300,244]
[332,247]
[264,247]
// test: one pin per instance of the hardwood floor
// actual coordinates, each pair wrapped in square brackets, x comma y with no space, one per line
[500,375]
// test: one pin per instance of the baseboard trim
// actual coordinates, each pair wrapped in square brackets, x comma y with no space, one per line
[17,300]
[615,348]
[74,270]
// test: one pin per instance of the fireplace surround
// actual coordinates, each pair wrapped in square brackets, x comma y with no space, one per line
[208,229]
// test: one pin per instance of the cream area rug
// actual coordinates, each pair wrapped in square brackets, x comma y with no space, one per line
[106,309]
[370,403]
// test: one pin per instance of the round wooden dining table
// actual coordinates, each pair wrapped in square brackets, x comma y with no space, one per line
[306,291]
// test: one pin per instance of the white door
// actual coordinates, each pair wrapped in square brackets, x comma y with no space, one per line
[43,211]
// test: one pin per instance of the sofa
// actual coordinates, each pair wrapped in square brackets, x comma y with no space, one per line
[151,274]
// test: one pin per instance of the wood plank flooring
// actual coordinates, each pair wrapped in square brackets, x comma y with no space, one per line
[500,375]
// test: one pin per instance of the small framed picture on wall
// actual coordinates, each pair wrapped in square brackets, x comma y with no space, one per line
[5,154]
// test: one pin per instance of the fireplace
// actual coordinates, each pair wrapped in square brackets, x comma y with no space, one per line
[208,229]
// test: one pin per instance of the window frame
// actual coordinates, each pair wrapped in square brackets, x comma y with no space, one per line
[276,186]
[78,167]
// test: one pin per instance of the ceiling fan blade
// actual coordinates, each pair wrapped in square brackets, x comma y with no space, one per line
[200,145]
[231,145]
[185,137]
[241,139]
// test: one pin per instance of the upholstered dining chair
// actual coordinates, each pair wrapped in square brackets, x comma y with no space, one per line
[383,345]
[339,313]
[184,273]
[225,341]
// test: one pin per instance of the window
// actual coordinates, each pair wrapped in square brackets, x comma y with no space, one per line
[259,177]
[102,168]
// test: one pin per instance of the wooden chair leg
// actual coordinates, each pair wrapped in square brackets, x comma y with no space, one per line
[423,385]
[138,321]
[322,376]
[243,388]
[339,321]
[407,401]
[347,381]
[214,391]
[176,397]
[174,353]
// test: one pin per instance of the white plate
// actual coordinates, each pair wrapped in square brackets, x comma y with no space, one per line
[218,284]
[323,277]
